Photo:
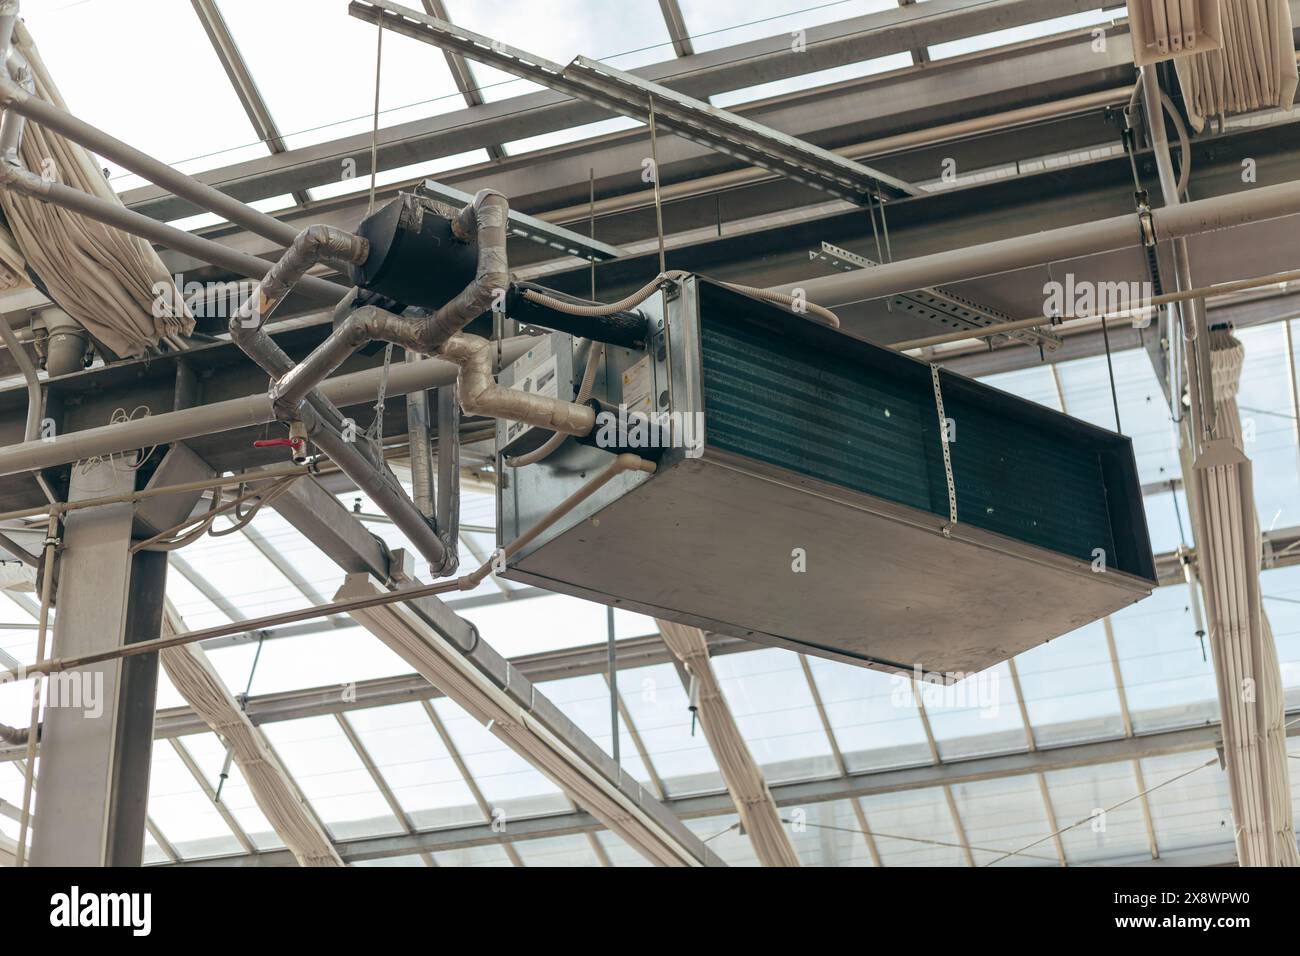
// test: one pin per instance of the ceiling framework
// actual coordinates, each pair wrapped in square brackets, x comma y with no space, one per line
[758,229]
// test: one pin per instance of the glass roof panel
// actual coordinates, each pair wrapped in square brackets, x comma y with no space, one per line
[873,715]
[619,853]
[349,185]
[1036,384]
[1069,688]
[242,575]
[512,787]
[585,701]
[774,709]
[1191,812]
[1168,520]
[162,36]
[1281,590]
[179,807]
[718,23]
[808,81]
[337,658]
[617,124]
[657,702]
[18,646]
[571,850]
[1268,425]
[1084,793]
[281,42]
[722,835]
[415,764]
[550,623]
[625,35]
[1168,678]
[827,834]
[492,854]
[1005,816]
[913,828]
[1143,412]
[191,604]
[391,861]
[210,755]
[975,716]
[331,777]
[1029,31]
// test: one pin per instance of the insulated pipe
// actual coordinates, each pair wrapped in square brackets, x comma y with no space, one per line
[1194,321]
[417,438]
[484,218]
[249,411]
[310,247]
[1258,204]
[481,395]
[137,224]
[383,488]
[22,102]
[448,491]
[33,383]
[915,139]
[15,64]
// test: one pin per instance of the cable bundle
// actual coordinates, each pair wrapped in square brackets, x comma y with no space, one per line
[1245,657]
[103,278]
[272,787]
[758,814]
[1255,68]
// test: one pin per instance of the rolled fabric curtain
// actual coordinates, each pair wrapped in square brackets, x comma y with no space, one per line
[273,789]
[105,279]
[1246,667]
[1254,69]
[754,803]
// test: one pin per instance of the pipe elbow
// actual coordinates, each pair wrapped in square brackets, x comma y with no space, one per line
[321,241]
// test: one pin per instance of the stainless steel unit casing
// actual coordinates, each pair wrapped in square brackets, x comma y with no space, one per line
[737,546]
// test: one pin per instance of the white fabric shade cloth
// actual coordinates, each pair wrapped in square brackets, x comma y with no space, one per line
[1255,68]
[744,780]
[102,277]
[273,789]
[1245,657]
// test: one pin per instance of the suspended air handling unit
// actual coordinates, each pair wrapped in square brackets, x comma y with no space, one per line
[805,496]
[807,500]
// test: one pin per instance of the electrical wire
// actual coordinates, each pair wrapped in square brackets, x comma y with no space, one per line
[584,394]
[631,301]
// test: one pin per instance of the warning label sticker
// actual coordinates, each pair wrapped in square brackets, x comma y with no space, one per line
[639,387]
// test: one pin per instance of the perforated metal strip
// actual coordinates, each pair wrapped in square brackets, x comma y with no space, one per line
[947,455]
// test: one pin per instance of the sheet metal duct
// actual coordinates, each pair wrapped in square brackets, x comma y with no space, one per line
[804,498]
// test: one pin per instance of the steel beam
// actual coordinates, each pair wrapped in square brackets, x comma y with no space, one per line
[96,750]
[250,97]
[1043,760]
[461,73]
[701,75]
[676,24]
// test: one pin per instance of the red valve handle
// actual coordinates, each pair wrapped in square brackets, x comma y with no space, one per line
[294,443]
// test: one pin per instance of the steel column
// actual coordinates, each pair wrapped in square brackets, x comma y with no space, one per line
[97,741]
